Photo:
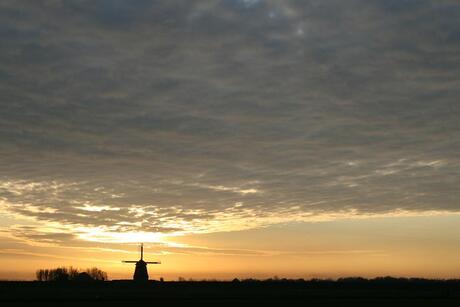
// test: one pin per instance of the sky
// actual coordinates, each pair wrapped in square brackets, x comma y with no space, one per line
[235,138]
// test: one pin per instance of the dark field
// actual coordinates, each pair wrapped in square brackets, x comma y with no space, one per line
[282,293]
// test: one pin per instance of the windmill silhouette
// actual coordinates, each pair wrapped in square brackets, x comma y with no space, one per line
[140,272]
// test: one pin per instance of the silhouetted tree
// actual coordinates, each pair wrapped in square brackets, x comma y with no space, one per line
[65,274]
[97,274]
[40,274]
[73,273]
[59,274]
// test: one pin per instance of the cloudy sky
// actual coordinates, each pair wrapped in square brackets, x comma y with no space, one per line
[205,128]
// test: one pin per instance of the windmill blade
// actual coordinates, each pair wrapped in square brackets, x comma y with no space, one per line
[153,262]
[129,261]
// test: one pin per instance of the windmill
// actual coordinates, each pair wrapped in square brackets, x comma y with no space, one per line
[140,272]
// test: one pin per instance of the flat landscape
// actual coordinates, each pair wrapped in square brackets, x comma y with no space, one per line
[312,293]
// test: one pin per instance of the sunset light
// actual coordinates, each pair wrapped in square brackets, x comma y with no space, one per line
[234,141]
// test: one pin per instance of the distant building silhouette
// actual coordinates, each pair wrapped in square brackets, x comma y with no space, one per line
[83,277]
[140,272]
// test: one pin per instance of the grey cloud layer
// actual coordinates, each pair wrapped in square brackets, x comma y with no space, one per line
[178,107]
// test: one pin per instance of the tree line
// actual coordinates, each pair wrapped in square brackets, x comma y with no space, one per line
[71,274]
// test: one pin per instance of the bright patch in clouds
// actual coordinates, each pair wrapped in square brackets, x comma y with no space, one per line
[101,235]
[90,208]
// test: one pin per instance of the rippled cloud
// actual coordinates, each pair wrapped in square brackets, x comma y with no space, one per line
[170,117]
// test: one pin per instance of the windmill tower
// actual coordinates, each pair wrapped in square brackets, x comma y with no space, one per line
[140,272]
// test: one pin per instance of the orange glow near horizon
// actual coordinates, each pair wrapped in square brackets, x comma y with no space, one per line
[397,246]
[235,139]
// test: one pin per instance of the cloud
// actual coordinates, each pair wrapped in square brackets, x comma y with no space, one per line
[173,117]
